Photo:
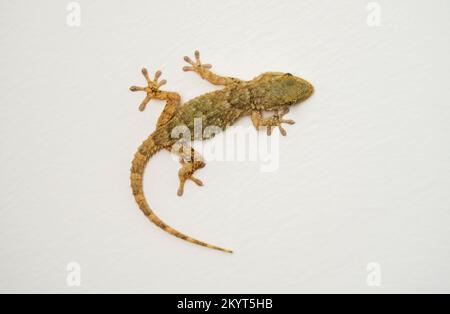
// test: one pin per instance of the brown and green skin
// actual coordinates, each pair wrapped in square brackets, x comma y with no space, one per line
[270,91]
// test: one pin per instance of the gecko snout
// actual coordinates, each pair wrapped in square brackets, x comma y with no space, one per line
[306,88]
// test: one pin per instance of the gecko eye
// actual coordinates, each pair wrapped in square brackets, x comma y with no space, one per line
[288,74]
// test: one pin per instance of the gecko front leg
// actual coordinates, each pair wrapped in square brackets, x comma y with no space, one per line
[205,73]
[275,121]
[153,92]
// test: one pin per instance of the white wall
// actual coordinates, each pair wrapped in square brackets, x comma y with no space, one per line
[363,176]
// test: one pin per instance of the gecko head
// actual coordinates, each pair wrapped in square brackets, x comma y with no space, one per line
[284,89]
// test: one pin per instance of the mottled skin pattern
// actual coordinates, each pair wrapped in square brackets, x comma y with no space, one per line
[270,91]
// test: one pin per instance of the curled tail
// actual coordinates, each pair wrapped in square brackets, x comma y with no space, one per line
[147,149]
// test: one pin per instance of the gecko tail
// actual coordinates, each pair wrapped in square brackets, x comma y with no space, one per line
[147,149]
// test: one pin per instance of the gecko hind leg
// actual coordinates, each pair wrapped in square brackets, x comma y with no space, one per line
[205,73]
[153,92]
[186,173]
[190,162]
[275,121]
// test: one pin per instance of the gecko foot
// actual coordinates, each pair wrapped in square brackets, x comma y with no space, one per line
[196,66]
[275,121]
[186,173]
[152,88]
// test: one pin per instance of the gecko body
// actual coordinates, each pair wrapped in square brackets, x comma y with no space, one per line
[270,91]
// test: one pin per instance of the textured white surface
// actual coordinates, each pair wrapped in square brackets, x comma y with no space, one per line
[364,175]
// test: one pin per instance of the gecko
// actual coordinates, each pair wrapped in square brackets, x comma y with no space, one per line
[270,91]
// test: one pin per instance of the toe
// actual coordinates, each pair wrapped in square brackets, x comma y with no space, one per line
[288,121]
[188,60]
[196,181]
